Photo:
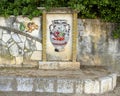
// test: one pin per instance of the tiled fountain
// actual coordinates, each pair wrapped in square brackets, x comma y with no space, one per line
[59,40]
[53,54]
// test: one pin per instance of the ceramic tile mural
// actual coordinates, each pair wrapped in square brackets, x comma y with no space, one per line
[18,48]
[59,34]
[59,37]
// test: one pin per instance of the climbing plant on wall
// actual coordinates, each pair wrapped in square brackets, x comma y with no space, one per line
[19,7]
[107,10]
[116,32]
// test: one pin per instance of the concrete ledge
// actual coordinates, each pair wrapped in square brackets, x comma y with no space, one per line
[59,65]
[58,85]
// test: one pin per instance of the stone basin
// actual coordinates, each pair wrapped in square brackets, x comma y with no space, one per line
[87,80]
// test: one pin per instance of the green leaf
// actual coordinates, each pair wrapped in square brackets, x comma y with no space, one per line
[22,27]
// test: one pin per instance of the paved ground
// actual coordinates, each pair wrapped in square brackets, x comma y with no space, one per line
[83,73]
[33,72]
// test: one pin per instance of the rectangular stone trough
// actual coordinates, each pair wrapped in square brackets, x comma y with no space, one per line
[58,84]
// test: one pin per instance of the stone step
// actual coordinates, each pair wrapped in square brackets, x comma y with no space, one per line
[85,81]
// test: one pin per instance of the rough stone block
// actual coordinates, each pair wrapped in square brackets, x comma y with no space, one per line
[23,38]
[5,32]
[7,61]
[30,44]
[38,45]
[29,63]
[91,86]
[36,55]
[6,83]
[69,65]
[1,33]
[44,85]
[16,38]
[10,42]
[14,50]
[114,80]
[6,37]
[65,86]
[79,86]
[21,45]
[48,65]
[19,60]
[24,84]
[2,21]
[106,84]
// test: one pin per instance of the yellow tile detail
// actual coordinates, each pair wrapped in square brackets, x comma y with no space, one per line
[44,37]
[74,41]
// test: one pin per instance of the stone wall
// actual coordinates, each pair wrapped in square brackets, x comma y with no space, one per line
[95,44]
[17,49]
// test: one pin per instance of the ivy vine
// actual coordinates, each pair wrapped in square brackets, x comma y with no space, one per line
[107,10]
[20,7]
[116,32]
